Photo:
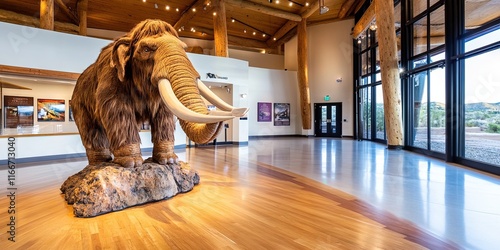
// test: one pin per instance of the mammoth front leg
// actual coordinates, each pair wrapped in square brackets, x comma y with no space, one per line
[119,122]
[162,133]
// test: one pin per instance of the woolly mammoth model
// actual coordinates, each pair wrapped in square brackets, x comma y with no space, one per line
[144,75]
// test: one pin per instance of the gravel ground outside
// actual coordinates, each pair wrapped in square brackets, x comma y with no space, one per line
[479,145]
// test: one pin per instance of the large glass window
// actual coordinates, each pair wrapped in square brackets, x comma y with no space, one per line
[482,107]
[426,80]
[451,94]
[379,113]
[371,105]
[437,110]
[365,106]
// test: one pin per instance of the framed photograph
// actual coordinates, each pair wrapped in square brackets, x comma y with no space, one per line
[282,114]
[71,117]
[264,111]
[18,111]
[51,110]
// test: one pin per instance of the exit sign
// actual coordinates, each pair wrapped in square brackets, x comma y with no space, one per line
[327,98]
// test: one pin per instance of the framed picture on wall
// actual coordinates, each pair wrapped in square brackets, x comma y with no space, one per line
[51,110]
[264,111]
[18,111]
[282,114]
[71,118]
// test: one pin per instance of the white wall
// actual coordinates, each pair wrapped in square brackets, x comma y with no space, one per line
[274,86]
[329,59]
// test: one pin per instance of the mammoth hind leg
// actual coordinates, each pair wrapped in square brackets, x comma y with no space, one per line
[94,139]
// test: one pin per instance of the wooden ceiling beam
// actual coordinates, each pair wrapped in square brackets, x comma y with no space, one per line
[287,37]
[67,11]
[365,21]
[188,14]
[264,9]
[31,21]
[345,8]
[39,73]
[275,40]
[272,42]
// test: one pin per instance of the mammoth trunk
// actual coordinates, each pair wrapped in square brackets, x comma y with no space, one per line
[182,80]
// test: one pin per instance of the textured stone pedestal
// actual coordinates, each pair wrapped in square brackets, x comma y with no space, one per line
[109,187]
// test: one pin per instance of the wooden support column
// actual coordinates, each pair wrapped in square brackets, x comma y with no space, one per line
[47,14]
[391,86]
[220,29]
[305,99]
[82,15]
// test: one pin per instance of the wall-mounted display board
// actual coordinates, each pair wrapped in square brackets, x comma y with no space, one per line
[18,111]
[51,110]
[282,114]
[264,111]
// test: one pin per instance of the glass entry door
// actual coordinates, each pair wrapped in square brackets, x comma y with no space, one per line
[328,119]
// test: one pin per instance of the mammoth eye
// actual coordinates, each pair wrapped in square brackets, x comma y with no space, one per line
[146,49]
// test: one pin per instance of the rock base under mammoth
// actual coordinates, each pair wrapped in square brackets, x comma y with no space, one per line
[108,187]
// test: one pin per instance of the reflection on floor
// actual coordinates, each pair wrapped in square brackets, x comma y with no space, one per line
[447,200]
[288,193]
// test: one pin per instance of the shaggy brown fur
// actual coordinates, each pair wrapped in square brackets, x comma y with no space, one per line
[119,92]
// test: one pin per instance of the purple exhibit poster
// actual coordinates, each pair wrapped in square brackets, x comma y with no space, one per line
[264,111]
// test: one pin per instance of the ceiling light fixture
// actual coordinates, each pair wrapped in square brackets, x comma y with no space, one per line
[156,6]
[322,8]
[292,2]
[167,7]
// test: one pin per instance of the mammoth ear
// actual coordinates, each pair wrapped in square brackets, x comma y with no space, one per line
[120,56]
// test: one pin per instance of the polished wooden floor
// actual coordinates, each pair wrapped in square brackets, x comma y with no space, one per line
[287,193]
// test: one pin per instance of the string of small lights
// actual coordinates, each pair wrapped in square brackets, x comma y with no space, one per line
[251,28]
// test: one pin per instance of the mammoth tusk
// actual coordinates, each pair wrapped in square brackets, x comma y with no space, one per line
[181,111]
[219,103]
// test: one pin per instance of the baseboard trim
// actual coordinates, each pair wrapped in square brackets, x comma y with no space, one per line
[212,144]
[395,147]
[275,136]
